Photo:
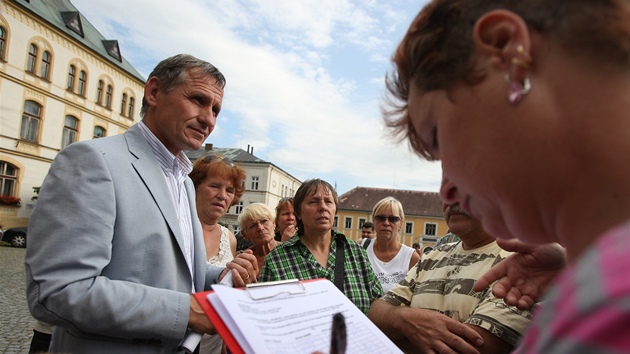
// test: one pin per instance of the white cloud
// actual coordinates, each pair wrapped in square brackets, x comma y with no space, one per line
[305,78]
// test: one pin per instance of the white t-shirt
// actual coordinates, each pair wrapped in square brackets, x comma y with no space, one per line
[392,272]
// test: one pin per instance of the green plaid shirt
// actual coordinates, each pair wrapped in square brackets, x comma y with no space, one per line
[292,260]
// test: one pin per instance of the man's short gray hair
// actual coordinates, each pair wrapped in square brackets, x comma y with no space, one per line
[172,72]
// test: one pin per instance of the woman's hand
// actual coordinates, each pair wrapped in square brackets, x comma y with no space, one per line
[244,269]
[522,278]
[288,232]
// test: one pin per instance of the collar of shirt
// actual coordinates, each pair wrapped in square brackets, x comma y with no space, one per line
[179,166]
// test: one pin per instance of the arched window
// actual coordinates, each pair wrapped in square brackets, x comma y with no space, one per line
[32,58]
[30,121]
[123,104]
[130,111]
[82,80]
[99,92]
[108,96]
[70,130]
[71,74]
[3,41]
[45,68]
[8,179]
[99,132]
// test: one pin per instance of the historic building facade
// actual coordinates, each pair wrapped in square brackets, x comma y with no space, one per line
[60,82]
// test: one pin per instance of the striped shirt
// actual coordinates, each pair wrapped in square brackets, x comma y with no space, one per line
[442,281]
[293,260]
[176,170]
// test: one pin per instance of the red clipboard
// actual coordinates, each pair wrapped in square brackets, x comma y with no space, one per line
[217,322]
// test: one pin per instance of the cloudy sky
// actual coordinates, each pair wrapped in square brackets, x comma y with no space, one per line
[305,78]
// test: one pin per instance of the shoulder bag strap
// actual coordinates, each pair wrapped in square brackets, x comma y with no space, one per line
[339,261]
[366,243]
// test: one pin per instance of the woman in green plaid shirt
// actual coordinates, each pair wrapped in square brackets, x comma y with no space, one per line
[311,253]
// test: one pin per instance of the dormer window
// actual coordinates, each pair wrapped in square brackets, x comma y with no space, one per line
[72,19]
[112,49]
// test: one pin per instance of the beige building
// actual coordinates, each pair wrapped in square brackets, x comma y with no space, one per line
[264,183]
[424,222]
[60,82]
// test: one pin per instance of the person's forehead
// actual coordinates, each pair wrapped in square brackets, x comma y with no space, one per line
[320,191]
[198,79]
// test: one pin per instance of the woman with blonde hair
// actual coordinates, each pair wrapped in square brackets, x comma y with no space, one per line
[256,224]
[390,259]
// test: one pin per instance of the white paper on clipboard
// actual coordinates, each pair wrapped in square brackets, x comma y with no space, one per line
[295,321]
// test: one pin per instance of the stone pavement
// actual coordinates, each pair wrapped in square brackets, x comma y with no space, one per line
[16,323]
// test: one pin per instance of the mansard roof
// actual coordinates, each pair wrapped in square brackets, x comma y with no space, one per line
[62,15]
[236,155]
[413,202]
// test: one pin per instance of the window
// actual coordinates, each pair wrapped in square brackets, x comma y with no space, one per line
[3,41]
[123,104]
[130,109]
[32,58]
[238,208]
[70,128]
[82,79]
[255,183]
[99,92]
[30,121]
[347,222]
[71,74]
[45,68]
[336,222]
[361,222]
[99,132]
[8,179]
[108,96]
[430,229]
[409,228]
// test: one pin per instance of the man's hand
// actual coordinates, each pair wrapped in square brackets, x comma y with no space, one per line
[425,331]
[197,319]
[523,277]
[433,332]
[244,269]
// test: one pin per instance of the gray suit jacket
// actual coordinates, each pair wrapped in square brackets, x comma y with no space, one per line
[105,255]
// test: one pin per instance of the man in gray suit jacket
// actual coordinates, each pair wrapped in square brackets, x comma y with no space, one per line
[115,245]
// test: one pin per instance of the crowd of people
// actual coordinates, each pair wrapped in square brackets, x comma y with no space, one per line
[515,99]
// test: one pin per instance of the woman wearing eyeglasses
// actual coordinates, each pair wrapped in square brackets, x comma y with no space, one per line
[218,186]
[256,224]
[285,220]
[390,259]
[320,252]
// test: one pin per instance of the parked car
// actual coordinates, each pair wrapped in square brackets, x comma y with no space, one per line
[16,236]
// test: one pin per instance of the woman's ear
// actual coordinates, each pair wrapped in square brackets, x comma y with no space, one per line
[497,37]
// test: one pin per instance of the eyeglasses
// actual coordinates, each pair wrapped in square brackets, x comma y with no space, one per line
[211,158]
[254,225]
[382,218]
[285,199]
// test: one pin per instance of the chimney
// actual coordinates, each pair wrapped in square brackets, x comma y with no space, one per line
[208,147]
[248,148]
[252,152]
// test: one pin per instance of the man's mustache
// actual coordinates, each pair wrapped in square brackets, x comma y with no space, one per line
[455,209]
